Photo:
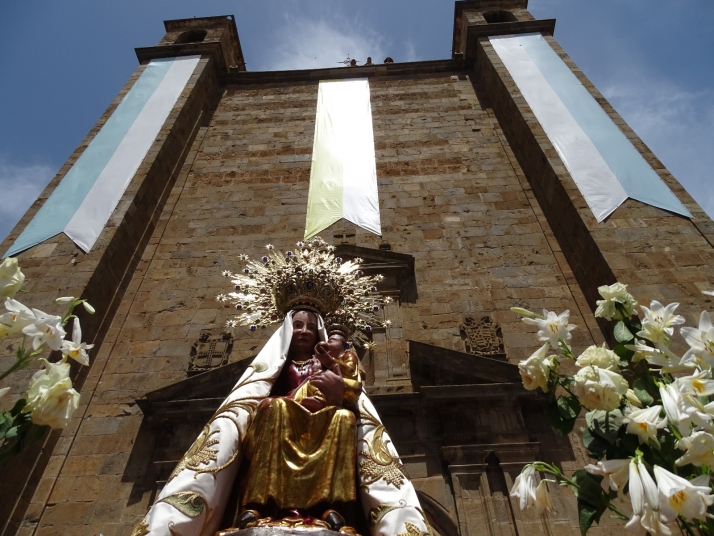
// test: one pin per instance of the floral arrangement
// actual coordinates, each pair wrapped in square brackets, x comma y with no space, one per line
[649,418]
[51,400]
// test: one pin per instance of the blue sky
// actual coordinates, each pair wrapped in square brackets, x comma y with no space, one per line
[64,62]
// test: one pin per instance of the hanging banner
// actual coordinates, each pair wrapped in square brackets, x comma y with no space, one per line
[84,200]
[343,177]
[604,164]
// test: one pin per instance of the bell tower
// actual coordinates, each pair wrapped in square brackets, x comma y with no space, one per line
[474,19]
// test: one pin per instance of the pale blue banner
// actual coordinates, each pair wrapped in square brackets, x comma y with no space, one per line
[637,177]
[58,210]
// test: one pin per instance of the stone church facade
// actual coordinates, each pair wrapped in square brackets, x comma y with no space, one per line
[479,214]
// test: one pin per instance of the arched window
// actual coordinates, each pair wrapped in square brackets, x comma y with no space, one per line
[191,36]
[499,16]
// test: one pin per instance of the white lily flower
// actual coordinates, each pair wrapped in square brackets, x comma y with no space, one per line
[11,278]
[524,488]
[701,415]
[542,499]
[646,514]
[693,360]
[698,384]
[644,422]
[51,399]
[675,408]
[76,349]
[600,357]
[637,498]
[614,294]
[614,472]
[658,324]
[680,497]
[46,329]
[552,327]
[17,317]
[662,356]
[701,340]
[685,410]
[536,369]
[699,449]
[598,388]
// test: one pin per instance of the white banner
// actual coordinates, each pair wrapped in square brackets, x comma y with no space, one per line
[84,200]
[604,164]
[343,177]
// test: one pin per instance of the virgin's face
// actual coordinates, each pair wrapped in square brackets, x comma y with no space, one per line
[304,333]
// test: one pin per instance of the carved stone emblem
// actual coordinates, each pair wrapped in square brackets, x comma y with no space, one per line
[483,338]
[210,351]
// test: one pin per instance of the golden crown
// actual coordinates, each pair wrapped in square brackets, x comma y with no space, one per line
[310,277]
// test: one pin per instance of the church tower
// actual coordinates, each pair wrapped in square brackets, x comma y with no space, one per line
[484,204]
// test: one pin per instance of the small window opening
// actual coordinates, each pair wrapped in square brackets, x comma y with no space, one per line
[499,16]
[191,36]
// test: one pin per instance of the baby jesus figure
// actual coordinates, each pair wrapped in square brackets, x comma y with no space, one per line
[332,355]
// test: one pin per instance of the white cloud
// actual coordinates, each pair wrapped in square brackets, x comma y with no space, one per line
[675,123]
[305,43]
[20,185]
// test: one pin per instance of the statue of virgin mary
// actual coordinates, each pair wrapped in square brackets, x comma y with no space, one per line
[297,433]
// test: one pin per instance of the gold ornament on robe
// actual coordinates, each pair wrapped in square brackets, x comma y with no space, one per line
[379,463]
[199,454]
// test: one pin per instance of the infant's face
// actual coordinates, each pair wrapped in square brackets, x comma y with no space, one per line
[336,345]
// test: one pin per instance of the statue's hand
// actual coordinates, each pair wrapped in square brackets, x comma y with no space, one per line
[332,386]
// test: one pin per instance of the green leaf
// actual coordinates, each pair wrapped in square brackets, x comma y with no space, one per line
[640,389]
[561,413]
[17,408]
[623,353]
[603,424]
[569,407]
[622,334]
[587,514]
[11,432]
[630,443]
[5,423]
[595,444]
[589,489]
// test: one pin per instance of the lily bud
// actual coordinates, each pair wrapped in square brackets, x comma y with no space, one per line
[88,308]
[632,398]
[65,300]
[524,312]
